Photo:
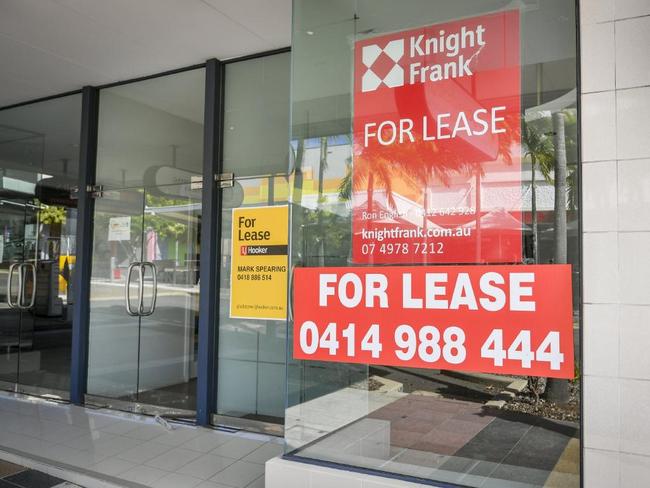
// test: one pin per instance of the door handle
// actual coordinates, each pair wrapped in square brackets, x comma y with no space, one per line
[10,279]
[154,296]
[23,282]
[127,289]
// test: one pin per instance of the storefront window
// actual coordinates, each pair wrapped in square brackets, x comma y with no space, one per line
[436,143]
[251,338]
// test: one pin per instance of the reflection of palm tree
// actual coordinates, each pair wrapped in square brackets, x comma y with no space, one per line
[551,155]
[419,164]
[557,389]
[539,147]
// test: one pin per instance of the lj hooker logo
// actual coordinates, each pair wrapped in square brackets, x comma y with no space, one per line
[386,65]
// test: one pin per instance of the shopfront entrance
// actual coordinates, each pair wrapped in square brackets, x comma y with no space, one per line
[144,297]
[153,329]
[144,287]
[38,170]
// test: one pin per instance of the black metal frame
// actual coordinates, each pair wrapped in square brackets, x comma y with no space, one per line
[42,99]
[83,264]
[263,54]
[581,318]
[210,241]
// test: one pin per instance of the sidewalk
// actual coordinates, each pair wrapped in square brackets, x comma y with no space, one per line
[108,449]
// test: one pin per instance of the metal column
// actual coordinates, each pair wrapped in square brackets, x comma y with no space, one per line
[82,268]
[210,242]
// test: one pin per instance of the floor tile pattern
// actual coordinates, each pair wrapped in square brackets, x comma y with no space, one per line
[458,442]
[130,450]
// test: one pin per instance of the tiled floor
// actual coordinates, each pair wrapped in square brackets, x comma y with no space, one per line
[130,450]
[457,442]
[16,476]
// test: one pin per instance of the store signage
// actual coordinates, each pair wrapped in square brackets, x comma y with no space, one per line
[491,319]
[436,167]
[119,229]
[258,280]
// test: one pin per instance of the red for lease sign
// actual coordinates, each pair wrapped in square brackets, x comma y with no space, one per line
[493,319]
[436,166]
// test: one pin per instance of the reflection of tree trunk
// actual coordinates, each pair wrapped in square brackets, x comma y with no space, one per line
[370,191]
[533,205]
[557,390]
[425,206]
[560,190]
[298,176]
[322,166]
[478,214]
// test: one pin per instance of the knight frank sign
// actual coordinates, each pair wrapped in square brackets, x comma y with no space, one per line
[436,168]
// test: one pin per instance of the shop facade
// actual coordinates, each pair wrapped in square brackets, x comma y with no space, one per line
[409,244]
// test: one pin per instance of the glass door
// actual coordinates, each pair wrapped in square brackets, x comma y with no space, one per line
[34,308]
[12,244]
[144,298]
[114,295]
[39,167]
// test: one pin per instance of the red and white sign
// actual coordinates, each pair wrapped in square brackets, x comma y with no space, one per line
[492,319]
[436,167]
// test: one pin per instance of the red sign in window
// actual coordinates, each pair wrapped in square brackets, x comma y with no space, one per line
[436,167]
[493,319]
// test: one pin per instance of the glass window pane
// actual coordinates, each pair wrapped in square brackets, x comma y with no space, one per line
[257,116]
[151,131]
[435,424]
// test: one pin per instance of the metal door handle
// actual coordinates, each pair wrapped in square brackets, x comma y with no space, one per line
[154,274]
[23,282]
[10,280]
[127,290]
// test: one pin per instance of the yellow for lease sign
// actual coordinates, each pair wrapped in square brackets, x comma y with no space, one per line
[258,278]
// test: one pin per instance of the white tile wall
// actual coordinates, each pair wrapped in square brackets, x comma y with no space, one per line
[630,8]
[632,60]
[600,257]
[600,206]
[601,336]
[593,11]
[633,123]
[633,195]
[599,126]
[634,341]
[602,412]
[635,412]
[634,267]
[598,53]
[616,323]
[635,470]
[601,469]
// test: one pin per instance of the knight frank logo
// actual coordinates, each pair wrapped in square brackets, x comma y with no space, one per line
[382,67]
[423,57]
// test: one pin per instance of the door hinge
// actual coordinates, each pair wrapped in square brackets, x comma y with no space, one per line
[95,191]
[225,180]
